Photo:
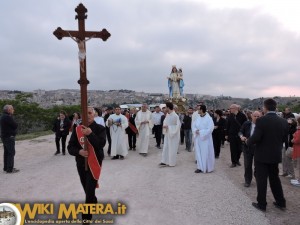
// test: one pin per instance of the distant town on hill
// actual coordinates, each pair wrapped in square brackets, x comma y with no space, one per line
[48,99]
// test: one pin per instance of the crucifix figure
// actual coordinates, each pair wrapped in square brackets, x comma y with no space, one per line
[82,52]
[81,37]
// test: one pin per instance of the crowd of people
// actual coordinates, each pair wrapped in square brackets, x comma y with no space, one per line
[265,137]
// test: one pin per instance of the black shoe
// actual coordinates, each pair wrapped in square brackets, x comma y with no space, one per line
[158,147]
[246,184]
[134,149]
[216,156]
[14,170]
[56,153]
[130,149]
[238,163]
[233,165]
[121,157]
[281,207]
[198,171]
[64,153]
[115,157]
[255,205]
[162,164]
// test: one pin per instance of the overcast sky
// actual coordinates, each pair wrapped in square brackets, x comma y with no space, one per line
[240,48]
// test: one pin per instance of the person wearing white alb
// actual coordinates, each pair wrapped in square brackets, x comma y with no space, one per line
[143,122]
[204,149]
[171,130]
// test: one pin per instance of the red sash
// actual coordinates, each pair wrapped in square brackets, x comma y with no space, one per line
[131,126]
[92,158]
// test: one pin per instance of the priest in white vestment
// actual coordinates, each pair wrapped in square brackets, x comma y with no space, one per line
[117,124]
[144,124]
[204,149]
[171,131]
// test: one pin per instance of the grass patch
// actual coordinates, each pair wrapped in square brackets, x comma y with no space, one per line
[33,135]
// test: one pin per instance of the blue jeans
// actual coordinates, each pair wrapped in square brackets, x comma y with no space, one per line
[188,139]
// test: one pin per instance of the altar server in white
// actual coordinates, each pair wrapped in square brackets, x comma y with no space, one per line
[117,124]
[144,124]
[171,131]
[204,149]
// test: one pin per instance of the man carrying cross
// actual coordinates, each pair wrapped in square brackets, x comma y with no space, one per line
[89,139]
[96,137]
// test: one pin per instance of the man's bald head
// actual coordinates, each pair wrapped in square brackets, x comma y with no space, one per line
[255,115]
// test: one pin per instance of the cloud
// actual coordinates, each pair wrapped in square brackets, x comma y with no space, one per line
[240,52]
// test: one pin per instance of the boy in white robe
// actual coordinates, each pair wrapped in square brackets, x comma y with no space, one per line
[171,131]
[117,124]
[204,149]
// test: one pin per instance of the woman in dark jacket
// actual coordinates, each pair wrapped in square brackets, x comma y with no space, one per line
[61,127]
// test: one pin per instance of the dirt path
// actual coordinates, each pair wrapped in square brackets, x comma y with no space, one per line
[153,195]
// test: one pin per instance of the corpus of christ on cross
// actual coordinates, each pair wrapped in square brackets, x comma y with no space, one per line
[81,36]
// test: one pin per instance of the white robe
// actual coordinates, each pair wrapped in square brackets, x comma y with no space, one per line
[118,135]
[194,118]
[144,130]
[171,140]
[204,147]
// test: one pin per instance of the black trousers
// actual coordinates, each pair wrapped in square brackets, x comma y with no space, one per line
[235,149]
[158,132]
[248,162]
[89,186]
[263,171]
[9,153]
[63,143]
[217,140]
[181,135]
[132,140]
[108,139]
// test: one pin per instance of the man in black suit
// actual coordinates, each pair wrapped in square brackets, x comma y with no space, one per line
[131,130]
[89,178]
[269,135]
[234,123]
[246,131]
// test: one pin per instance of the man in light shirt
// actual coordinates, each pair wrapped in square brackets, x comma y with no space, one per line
[156,119]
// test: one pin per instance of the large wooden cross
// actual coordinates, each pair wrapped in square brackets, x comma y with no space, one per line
[80,37]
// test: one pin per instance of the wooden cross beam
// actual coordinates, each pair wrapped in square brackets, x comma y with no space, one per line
[80,37]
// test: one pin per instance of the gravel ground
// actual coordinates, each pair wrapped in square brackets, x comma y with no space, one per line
[153,195]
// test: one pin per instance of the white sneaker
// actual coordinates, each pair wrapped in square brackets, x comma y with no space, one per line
[296,184]
[294,181]
[290,176]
